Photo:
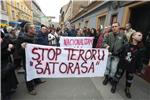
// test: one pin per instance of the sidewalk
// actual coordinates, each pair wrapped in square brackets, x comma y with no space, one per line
[140,89]
[81,89]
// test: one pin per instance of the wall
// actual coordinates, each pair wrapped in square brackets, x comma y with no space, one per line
[93,16]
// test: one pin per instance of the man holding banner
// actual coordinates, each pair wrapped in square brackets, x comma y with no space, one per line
[58,62]
[78,60]
[28,37]
[113,42]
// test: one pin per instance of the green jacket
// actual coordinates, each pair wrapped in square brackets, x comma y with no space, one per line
[115,42]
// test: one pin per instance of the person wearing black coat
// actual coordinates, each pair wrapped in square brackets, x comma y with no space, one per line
[16,57]
[131,57]
[8,78]
[94,34]
[28,37]
[71,31]
[42,36]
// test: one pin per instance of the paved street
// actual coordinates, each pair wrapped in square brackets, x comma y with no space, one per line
[81,89]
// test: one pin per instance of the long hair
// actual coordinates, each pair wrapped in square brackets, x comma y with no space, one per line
[139,44]
[95,33]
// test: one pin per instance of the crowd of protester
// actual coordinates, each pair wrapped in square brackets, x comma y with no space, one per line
[126,52]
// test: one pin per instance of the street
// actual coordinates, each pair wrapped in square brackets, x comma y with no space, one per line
[81,89]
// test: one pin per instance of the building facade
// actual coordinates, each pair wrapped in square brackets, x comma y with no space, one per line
[103,13]
[61,17]
[71,9]
[4,19]
[19,10]
[36,13]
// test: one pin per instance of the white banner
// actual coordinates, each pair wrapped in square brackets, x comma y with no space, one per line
[76,42]
[55,62]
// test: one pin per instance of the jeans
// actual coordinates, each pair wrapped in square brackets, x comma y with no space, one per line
[111,66]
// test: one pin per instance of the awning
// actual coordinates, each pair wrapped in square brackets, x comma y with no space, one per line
[3,25]
[14,23]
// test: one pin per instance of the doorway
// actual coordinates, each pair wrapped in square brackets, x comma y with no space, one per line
[140,18]
[140,21]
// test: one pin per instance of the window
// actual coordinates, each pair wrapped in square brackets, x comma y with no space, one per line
[17,16]
[17,4]
[12,2]
[13,14]
[86,23]
[101,21]
[2,5]
[79,25]
[113,18]
[21,7]
[24,9]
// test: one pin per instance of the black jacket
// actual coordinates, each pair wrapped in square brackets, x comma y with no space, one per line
[24,38]
[8,77]
[42,39]
[131,57]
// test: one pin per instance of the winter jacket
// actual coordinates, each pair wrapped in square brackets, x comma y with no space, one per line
[114,41]
[27,39]
[100,41]
[8,77]
[53,39]
[131,57]
[41,38]
[72,32]
[13,38]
